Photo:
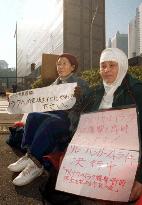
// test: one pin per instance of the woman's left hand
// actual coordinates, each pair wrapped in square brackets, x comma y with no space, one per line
[136,191]
[7,96]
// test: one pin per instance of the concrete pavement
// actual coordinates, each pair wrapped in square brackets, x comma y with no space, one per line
[10,194]
[6,119]
[3,105]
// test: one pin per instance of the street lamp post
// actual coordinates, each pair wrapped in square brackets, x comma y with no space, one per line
[91,36]
[15,36]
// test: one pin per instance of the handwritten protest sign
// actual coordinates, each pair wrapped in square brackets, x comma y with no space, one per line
[102,158]
[54,97]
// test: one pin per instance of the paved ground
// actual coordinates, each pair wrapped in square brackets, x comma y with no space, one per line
[10,194]
[3,105]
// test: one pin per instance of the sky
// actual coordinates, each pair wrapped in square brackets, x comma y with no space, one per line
[118,14]
[10,11]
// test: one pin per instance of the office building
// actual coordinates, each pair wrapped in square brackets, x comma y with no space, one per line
[120,41]
[135,34]
[65,27]
[132,38]
[139,29]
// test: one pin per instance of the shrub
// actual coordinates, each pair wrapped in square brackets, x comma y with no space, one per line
[136,72]
[41,83]
[93,76]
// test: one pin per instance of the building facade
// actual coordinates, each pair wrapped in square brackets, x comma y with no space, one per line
[135,34]
[132,38]
[68,30]
[120,41]
[139,29]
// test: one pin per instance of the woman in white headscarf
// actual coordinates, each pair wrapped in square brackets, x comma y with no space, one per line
[118,89]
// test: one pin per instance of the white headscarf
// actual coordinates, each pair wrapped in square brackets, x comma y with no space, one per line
[117,55]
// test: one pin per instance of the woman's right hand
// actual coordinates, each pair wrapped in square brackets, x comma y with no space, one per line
[77,92]
[136,191]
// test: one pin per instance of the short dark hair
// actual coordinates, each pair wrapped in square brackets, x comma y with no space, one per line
[72,59]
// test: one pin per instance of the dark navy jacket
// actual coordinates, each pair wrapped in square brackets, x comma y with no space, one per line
[74,113]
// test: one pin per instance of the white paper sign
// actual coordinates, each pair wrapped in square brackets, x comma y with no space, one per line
[54,97]
[102,158]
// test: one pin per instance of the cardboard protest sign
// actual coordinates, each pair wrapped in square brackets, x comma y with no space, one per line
[102,158]
[54,97]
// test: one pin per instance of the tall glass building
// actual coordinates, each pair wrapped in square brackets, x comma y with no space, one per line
[135,34]
[120,40]
[75,26]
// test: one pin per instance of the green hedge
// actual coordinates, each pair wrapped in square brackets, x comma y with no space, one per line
[136,72]
[93,76]
[41,83]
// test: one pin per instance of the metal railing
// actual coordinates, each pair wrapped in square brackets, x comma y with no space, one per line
[15,84]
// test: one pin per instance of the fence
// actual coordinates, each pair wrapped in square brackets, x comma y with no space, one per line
[13,83]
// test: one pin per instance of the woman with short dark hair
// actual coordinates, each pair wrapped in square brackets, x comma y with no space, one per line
[45,132]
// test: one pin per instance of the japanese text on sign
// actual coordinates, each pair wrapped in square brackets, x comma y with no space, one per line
[100,154]
[54,97]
